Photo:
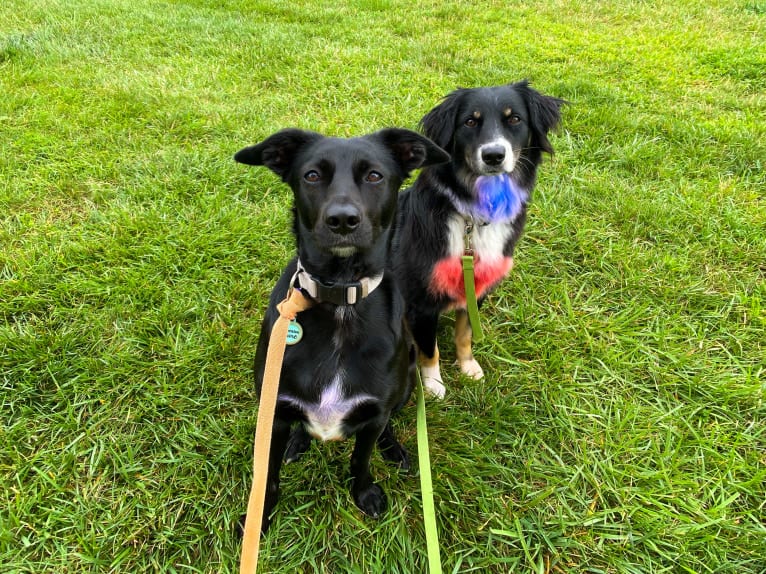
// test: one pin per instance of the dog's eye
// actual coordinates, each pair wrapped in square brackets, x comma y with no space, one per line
[514,119]
[312,176]
[373,177]
[471,123]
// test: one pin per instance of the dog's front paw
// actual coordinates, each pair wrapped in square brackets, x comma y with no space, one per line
[432,381]
[471,368]
[371,500]
[434,388]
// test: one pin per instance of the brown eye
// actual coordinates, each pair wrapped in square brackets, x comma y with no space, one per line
[471,123]
[514,119]
[312,176]
[373,177]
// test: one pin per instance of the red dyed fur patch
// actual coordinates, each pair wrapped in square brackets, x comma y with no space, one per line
[447,276]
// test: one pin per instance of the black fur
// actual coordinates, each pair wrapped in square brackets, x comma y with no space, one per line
[345,200]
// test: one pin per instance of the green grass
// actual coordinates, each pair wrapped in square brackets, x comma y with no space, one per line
[621,426]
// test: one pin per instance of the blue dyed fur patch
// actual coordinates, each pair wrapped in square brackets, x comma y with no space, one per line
[499,198]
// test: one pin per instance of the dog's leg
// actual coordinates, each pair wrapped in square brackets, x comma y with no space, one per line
[279,437]
[463,335]
[369,497]
[299,442]
[424,327]
[431,374]
[391,450]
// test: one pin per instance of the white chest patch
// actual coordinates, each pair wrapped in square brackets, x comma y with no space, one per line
[325,419]
[487,241]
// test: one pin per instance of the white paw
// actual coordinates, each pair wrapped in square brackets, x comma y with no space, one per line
[432,382]
[434,388]
[472,369]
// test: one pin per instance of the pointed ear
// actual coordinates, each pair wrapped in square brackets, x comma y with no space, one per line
[439,123]
[278,151]
[410,149]
[544,114]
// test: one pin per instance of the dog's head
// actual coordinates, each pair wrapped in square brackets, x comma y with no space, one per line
[491,131]
[345,189]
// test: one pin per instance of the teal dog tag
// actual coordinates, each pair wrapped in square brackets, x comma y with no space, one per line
[294,332]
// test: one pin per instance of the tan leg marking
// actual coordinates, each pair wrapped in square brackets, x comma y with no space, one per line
[466,362]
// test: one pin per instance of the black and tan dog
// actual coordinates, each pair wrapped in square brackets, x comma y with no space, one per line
[353,366]
[496,137]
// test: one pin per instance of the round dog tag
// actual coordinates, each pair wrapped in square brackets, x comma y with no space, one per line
[294,332]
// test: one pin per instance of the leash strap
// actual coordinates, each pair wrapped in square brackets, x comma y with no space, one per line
[470,297]
[293,304]
[426,485]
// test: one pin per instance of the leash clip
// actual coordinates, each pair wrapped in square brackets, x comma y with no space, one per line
[468,235]
[293,280]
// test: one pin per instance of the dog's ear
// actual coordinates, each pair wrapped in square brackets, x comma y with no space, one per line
[278,151]
[439,123]
[544,114]
[411,150]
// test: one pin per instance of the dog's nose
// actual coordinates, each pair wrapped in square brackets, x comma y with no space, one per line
[493,155]
[342,218]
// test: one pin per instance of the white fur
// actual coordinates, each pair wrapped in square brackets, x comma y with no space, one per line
[325,419]
[488,240]
[343,251]
[432,381]
[471,368]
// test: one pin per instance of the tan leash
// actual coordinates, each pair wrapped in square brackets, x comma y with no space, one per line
[294,303]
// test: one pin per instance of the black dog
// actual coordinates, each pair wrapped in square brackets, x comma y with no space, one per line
[353,366]
[477,201]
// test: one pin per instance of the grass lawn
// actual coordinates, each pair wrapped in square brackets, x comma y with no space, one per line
[621,427]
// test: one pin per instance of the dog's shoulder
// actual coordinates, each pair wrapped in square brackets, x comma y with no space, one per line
[431,197]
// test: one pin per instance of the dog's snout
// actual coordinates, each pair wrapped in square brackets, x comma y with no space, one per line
[342,218]
[493,155]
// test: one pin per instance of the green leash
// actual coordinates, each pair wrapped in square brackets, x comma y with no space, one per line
[426,485]
[471,305]
[424,458]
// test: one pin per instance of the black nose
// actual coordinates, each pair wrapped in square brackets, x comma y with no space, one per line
[493,155]
[342,218]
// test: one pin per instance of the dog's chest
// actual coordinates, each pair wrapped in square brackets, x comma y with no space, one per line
[490,264]
[487,240]
[325,420]
[325,416]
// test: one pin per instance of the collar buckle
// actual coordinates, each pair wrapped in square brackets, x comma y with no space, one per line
[344,294]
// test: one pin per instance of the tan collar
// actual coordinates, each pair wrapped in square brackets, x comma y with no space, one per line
[336,293]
